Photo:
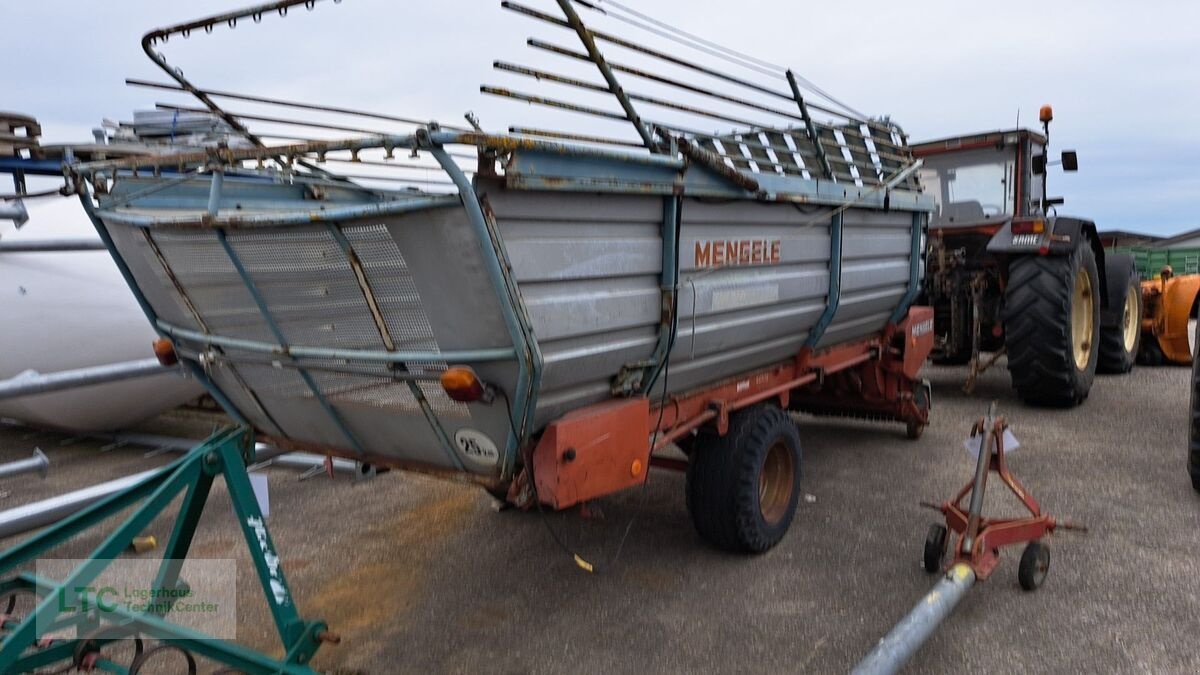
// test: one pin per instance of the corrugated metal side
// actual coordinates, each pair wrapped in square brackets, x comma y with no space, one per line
[588,269]
[876,254]
[738,317]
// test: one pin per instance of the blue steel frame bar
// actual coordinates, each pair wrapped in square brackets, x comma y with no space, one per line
[248,281]
[781,188]
[222,454]
[669,286]
[297,218]
[365,355]
[529,356]
[835,282]
[914,268]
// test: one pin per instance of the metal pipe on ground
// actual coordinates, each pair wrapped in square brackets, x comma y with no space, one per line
[15,212]
[39,463]
[263,454]
[51,245]
[903,641]
[49,511]
[30,383]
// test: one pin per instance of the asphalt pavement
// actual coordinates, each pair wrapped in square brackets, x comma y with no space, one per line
[420,575]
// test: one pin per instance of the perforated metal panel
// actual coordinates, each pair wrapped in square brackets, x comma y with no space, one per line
[312,294]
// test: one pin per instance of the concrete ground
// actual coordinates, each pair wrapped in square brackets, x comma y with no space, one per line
[424,576]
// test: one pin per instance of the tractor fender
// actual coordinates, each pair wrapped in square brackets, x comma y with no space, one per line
[1063,234]
[1118,267]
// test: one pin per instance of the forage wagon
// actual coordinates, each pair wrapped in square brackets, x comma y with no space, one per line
[572,307]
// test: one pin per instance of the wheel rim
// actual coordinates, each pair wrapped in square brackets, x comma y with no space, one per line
[1082,319]
[1130,323]
[1041,567]
[775,483]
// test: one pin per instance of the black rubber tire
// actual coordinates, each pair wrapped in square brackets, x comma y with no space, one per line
[1194,427]
[1037,327]
[914,430]
[935,548]
[1114,359]
[1034,566]
[723,480]
[1149,351]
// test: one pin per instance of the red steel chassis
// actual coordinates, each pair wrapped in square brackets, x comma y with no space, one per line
[607,447]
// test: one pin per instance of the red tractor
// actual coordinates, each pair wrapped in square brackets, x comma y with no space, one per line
[1008,275]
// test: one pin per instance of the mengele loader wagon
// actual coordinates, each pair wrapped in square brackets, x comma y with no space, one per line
[568,312]
[544,322]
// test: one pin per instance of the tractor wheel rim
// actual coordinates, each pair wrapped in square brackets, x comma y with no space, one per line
[1083,319]
[1130,324]
[775,483]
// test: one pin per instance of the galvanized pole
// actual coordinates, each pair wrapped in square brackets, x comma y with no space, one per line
[899,645]
[48,511]
[38,514]
[15,212]
[39,463]
[982,464]
[51,245]
[28,385]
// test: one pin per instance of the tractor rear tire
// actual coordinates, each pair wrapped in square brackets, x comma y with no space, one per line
[743,487]
[1119,343]
[1052,326]
[1194,427]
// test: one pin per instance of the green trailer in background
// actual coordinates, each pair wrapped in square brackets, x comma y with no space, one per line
[1150,261]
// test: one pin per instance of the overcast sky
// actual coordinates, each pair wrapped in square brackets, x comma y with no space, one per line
[1122,76]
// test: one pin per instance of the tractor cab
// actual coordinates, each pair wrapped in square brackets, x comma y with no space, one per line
[981,181]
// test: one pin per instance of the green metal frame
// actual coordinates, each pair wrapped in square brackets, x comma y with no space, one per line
[223,454]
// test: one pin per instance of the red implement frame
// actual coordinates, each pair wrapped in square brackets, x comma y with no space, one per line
[588,453]
[979,538]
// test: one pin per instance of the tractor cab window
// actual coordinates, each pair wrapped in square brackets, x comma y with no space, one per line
[972,187]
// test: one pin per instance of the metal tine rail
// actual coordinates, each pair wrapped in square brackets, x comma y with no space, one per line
[768,136]
[275,124]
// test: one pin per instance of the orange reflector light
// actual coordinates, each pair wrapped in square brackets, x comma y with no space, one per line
[1046,113]
[164,351]
[1028,226]
[462,384]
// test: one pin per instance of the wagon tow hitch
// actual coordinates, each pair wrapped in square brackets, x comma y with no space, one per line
[974,547]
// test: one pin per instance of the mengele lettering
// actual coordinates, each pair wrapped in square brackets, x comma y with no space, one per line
[726,253]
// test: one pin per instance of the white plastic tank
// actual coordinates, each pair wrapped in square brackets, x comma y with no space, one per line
[65,310]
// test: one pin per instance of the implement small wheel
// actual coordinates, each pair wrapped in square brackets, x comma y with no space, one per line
[914,430]
[935,548]
[742,488]
[1035,564]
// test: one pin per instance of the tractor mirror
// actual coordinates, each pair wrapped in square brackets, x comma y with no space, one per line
[1070,161]
[1039,164]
